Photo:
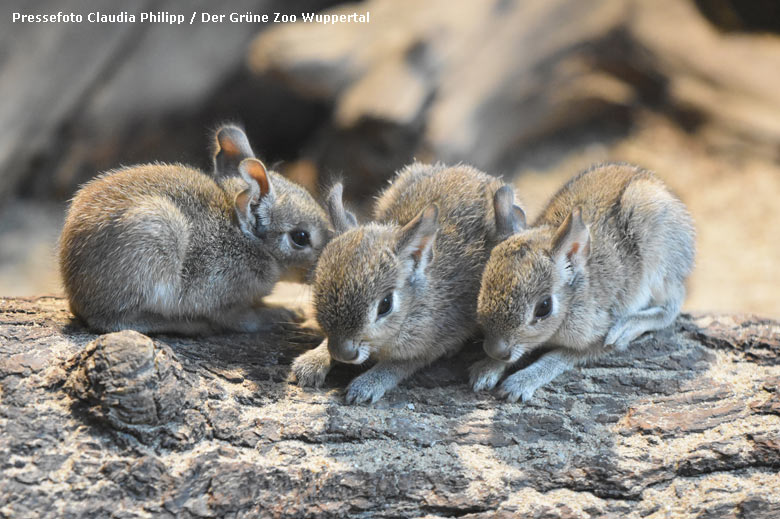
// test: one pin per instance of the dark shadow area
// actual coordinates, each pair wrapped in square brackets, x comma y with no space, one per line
[736,15]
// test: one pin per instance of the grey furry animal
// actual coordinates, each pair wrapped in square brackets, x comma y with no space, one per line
[403,291]
[605,262]
[167,248]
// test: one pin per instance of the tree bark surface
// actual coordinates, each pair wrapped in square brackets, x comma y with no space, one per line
[684,424]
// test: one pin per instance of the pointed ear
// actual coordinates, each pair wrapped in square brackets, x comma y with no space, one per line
[572,240]
[341,219]
[510,218]
[232,148]
[416,238]
[254,173]
[243,208]
[260,187]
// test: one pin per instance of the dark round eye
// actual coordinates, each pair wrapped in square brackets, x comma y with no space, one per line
[543,308]
[385,305]
[300,238]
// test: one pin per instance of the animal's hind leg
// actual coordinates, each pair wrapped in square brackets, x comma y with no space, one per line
[154,324]
[665,236]
[151,324]
[647,320]
[254,318]
[238,318]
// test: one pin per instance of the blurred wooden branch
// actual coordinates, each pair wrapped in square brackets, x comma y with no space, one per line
[487,79]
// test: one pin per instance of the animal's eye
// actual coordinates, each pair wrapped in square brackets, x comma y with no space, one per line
[300,238]
[543,308]
[385,305]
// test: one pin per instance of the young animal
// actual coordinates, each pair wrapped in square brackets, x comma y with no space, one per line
[605,262]
[404,295]
[167,248]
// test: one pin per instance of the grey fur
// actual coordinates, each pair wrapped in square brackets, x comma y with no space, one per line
[231,146]
[341,218]
[510,218]
[166,248]
[613,248]
[432,265]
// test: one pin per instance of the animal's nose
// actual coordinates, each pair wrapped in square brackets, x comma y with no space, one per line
[343,350]
[498,349]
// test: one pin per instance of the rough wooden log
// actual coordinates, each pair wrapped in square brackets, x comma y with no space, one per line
[685,424]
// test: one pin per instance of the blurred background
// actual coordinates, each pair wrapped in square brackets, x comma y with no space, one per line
[532,90]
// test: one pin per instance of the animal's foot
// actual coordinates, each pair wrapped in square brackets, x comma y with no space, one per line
[485,374]
[520,386]
[366,388]
[311,368]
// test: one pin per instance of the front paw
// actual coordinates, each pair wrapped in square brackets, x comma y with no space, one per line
[311,368]
[368,387]
[617,337]
[519,386]
[485,374]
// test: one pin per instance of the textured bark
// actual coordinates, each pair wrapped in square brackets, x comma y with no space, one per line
[684,424]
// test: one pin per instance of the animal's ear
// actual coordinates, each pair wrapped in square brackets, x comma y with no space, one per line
[232,147]
[254,173]
[572,241]
[416,238]
[510,218]
[260,188]
[341,219]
